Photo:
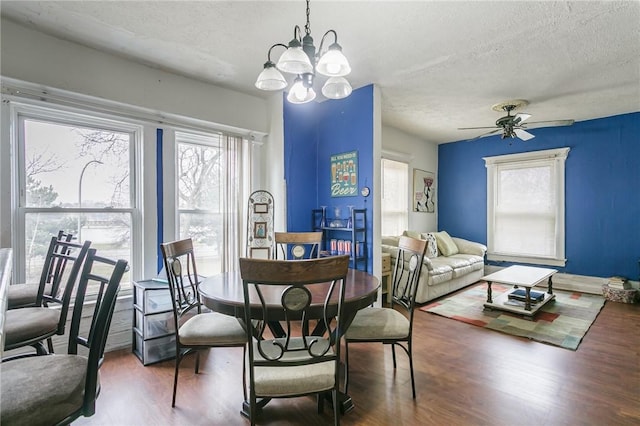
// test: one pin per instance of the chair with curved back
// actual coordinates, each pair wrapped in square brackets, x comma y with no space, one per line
[26,295]
[392,326]
[32,325]
[195,330]
[298,245]
[298,362]
[57,389]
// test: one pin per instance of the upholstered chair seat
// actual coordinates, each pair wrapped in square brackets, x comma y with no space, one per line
[379,323]
[42,390]
[212,329]
[20,295]
[29,325]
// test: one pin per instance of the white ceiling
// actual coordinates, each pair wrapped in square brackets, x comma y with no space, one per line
[439,65]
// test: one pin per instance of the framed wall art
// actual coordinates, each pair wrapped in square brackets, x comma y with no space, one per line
[260,253]
[344,174]
[424,191]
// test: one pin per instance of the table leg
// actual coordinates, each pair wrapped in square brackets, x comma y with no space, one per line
[550,286]
[489,300]
[527,299]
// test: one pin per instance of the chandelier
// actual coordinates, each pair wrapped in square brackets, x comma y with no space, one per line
[301,59]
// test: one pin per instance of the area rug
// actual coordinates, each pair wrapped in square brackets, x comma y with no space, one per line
[563,322]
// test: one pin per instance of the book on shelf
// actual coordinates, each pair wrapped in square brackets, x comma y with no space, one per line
[515,302]
[521,295]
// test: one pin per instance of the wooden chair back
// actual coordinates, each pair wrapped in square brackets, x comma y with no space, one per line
[298,245]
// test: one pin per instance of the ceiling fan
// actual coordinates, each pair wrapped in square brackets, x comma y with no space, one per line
[513,126]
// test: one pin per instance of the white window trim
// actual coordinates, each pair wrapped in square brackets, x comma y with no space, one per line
[491,163]
[70,115]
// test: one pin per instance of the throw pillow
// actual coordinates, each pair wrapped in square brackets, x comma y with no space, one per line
[445,244]
[432,245]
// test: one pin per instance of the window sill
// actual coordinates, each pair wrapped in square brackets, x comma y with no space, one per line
[545,261]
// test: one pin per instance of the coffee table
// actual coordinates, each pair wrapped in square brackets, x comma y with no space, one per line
[518,276]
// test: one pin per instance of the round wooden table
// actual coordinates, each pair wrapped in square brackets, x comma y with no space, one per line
[223,293]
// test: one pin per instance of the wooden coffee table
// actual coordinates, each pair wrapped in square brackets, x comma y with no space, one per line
[525,277]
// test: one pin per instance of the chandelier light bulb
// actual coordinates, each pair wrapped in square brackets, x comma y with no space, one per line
[294,61]
[299,94]
[333,63]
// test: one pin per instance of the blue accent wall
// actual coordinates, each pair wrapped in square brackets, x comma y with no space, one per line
[602,192]
[312,133]
[159,196]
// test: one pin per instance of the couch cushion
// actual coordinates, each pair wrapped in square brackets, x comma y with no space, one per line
[440,272]
[445,244]
[412,234]
[464,264]
[432,246]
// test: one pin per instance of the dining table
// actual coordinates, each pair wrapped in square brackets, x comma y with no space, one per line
[223,293]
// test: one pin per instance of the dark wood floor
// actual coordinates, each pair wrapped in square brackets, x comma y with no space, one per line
[465,375]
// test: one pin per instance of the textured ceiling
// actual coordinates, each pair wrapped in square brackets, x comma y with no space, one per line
[439,65]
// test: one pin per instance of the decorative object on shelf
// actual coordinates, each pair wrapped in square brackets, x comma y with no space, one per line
[424,191]
[301,59]
[260,239]
[344,174]
[323,221]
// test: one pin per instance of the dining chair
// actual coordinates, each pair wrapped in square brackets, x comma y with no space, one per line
[32,325]
[26,294]
[297,363]
[59,388]
[393,325]
[195,330]
[297,245]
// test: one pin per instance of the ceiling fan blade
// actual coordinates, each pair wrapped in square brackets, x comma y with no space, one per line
[477,128]
[486,134]
[520,117]
[522,134]
[550,123]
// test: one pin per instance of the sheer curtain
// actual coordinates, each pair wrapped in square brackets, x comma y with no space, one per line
[395,197]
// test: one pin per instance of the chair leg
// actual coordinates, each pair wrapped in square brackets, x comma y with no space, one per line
[393,351]
[50,345]
[197,362]
[413,382]
[175,379]
[40,349]
[320,397]
[336,409]
[346,366]
[244,372]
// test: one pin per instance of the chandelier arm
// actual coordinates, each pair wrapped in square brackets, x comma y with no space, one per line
[275,45]
[297,33]
[335,40]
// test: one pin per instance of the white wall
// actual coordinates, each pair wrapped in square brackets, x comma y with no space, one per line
[420,154]
[42,61]
[35,57]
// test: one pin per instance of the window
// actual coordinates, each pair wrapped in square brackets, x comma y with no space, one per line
[76,173]
[212,171]
[395,200]
[525,207]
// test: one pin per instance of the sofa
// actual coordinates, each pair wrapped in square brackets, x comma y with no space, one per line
[449,264]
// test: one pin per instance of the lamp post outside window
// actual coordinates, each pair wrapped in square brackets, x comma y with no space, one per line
[80,194]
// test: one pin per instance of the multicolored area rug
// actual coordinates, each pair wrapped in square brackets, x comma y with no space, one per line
[563,322]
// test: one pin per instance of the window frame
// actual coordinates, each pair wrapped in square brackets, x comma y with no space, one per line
[555,158]
[21,110]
